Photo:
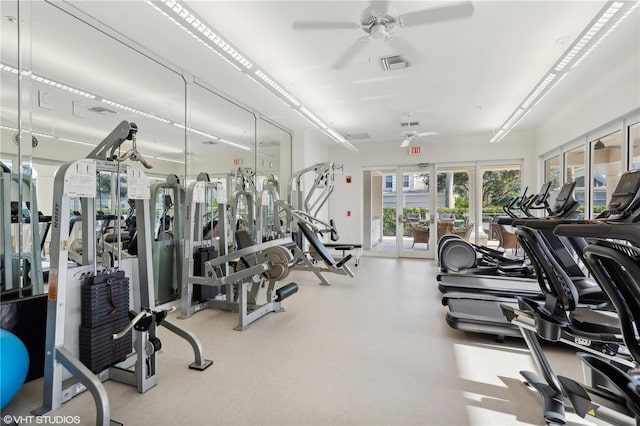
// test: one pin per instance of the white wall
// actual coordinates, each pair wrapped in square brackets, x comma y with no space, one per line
[348,197]
[609,97]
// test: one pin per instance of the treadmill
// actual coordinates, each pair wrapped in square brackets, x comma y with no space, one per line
[491,281]
[480,312]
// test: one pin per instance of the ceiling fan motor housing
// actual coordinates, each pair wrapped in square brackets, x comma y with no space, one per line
[378,24]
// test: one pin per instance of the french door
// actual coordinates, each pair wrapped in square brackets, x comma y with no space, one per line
[398,218]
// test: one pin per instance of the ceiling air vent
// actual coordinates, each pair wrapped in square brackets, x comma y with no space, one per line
[102,110]
[395,62]
[358,136]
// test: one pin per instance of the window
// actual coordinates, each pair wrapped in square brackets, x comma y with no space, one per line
[388,182]
[574,172]
[606,165]
[405,181]
[552,173]
[634,142]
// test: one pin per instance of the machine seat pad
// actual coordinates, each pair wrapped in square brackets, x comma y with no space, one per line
[112,238]
[594,321]
[317,244]
[342,247]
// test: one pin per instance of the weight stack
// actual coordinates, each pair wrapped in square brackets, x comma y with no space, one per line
[104,312]
[202,293]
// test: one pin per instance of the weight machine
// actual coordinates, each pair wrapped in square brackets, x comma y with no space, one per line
[95,299]
[240,274]
[21,273]
[309,206]
[167,239]
[242,208]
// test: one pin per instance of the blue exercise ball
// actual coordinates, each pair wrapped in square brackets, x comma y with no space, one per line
[14,364]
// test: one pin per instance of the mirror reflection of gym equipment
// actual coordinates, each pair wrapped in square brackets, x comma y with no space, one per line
[229,281]
[303,166]
[104,302]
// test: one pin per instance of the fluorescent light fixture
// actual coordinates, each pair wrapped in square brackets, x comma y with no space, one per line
[208,135]
[237,145]
[62,86]
[337,136]
[42,135]
[7,68]
[313,118]
[76,141]
[598,29]
[136,111]
[499,135]
[277,87]
[49,82]
[549,89]
[539,89]
[166,159]
[13,129]
[197,28]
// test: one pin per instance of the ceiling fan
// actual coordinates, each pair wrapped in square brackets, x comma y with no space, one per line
[380,21]
[410,136]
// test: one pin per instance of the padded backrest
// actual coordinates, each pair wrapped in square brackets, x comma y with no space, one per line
[317,244]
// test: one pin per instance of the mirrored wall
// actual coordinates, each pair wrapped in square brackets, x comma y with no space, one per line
[69,80]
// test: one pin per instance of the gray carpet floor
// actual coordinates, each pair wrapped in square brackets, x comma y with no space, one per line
[369,350]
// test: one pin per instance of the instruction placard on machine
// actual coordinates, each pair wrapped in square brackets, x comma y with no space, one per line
[80,179]
[137,184]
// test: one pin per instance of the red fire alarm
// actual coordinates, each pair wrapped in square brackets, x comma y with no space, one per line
[348,212]
[348,179]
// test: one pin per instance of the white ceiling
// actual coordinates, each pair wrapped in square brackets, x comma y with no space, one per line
[474,73]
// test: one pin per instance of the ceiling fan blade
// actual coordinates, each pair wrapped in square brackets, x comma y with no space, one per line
[437,14]
[405,143]
[404,48]
[324,25]
[350,53]
[421,134]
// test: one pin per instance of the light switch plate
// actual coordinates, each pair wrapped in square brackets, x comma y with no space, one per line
[45,99]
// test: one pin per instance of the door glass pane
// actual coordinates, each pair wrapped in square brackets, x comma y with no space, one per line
[415,211]
[499,186]
[574,163]
[606,155]
[552,173]
[379,211]
[453,200]
[634,140]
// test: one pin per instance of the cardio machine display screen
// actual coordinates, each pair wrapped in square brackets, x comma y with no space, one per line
[625,191]
[565,192]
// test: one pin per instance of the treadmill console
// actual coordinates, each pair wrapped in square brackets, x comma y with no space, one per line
[625,200]
[539,201]
[564,199]
[543,194]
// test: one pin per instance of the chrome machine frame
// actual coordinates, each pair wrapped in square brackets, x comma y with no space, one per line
[78,179]
[241,288]
[7,181]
